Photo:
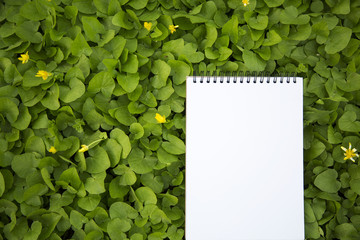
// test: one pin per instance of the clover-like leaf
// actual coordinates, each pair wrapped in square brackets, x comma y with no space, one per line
[327,181]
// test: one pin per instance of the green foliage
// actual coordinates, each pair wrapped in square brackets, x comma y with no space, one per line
[110,76]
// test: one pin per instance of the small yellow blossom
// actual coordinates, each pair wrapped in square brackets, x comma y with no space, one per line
[84,148]
[43,74]
[349,153]
[245,2]
[24,57]
[159,118]
[147,25]
[52,150]
[173,28]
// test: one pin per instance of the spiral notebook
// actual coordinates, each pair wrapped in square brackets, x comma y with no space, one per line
[244,158]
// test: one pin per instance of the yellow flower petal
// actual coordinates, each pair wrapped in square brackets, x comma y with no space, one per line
[173,28]
[245,2]
[52,150]
[159,118]
[147,25]
[349,153]
[24,57]
[84,148]
[43,74]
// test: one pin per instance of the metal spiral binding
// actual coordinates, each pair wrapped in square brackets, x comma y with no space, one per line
[244,77]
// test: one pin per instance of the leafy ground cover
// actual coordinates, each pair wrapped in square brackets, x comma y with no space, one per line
[92,114]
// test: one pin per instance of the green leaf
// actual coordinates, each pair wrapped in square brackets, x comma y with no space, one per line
[98,161]
[24,164]
[51,99]
[80,46]
[350,84]
[9,109]
[28,31]
[309,213]
[77,219]
[272,38]
[32,12]
[258,23]
[138,163]
[24,118]
[149,99]
[290,15]
[128,177]
[35,144]
[92,28]
[123,115]
[128,81]
[89,203]
[136,130]
[46,177]
[315,150]
[146,195]
[338,39]
[164,92]
[327,182]
[138,4]
[71,177]
[85,6]
[35,190]
[2,184]
[253,62]
[95,183]
[347,122]
[333,137]
[102,82]
[155,183]
[211,34]
[122,210]
[322,31]
[114,150]
[174,146]
[166,157]
[12,75]
[346,231]
[121,19]
[225,53]
[230,28]
[34,232]
[162,71]
[72,92]
[342,7]
[117,226]
[131,65]
[116,46]
[179,71]
[123,140]
[273,3]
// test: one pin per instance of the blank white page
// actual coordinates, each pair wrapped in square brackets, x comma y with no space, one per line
[244,160]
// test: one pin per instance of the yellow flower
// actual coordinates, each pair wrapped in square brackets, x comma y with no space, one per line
[245,2]
[43,74]
[349,153]
[52,150]
[24,57]
[84,148]
[147,25]
[159,118]
[172,28]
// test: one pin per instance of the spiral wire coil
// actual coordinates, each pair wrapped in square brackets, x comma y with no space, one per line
[244,77]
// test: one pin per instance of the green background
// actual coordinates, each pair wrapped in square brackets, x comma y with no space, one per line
[110,76]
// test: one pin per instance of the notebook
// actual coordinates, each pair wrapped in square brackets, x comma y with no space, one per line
[244,158]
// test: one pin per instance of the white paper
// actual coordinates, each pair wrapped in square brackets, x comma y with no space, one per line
[244,160]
